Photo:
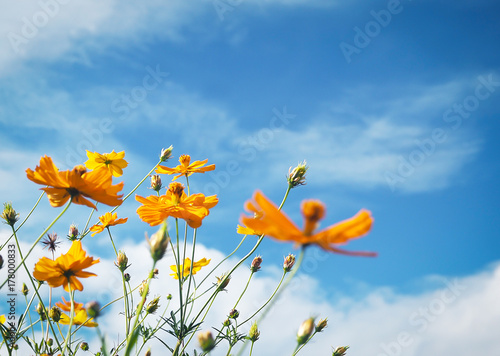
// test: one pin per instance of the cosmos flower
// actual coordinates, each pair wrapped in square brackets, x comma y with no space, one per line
[277,225]
[106,220]
[175,203]
[80,317]
[187,266]
[76,184]
[186,168]
[66,269]
[113,162]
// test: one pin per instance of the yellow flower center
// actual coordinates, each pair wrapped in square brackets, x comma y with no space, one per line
[176,189]
[80,169]
[185,160]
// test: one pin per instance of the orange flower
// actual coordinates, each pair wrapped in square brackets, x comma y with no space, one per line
[80,317]
[175,203]
[276,224]
[106,220]
[185,168]
[76,184]
[113,162]
[66,269]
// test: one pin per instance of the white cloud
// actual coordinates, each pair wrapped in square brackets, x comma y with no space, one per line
[456,316]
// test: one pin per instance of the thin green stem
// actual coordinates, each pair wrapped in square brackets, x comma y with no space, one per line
[38,239]
[244,290]
[67,341]
[25,219]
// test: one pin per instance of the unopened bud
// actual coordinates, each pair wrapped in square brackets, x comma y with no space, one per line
[148,353]
[122,261]
[255,266]
[159,242]
[254,333]
[143,288]
[55,314]
[340,351]
[73,232]
[25,289]
[206,340]
[156,182]
[41,311]
[153,306]
[234,314]
[321,325]
[166,153]
[169,296]
[126,276]
[222,282]
[84,346]
[297,176]
[9,214]
[288,263]
[50,342]
[305,331]
[93,309]
[156,272]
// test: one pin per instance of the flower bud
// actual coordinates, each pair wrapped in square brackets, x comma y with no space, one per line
[126,276]
[84,346]
[25,289]
[148,353]
[41,311]
[297,176]
[153,306]
[254,333]
[156,182]
[321,325]
[166,153]
[169,296]
[122,261]
[222,282]
[255,266]
[159,242]
[234,314]
[156,272]
[50,342]
[55,314]
[206,340]
[9,214]
[73,232]
[340,351]
[143,288]
[93,309]
[305,331]
[288,263]
[226,322]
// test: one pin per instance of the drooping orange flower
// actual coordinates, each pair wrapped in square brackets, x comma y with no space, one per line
[66,269]
[186,168]
[106,220]
[113,162]
[276,224]
[175,203]
[80,317]
[187,266]
[76,184]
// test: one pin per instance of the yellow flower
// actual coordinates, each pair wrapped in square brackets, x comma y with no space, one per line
[276,224]
[76,184]
[187,266]
[186,168]
[80,318]
[113,162]
[106,220]
[193,209]
[66,269]
[2,319]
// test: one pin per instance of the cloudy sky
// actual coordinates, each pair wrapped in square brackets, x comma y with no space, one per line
[393,105]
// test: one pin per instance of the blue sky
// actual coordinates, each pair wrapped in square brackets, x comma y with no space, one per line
[393,105]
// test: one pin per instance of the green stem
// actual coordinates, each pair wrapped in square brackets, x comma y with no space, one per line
[38,239]
[71,317]
[244,290]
